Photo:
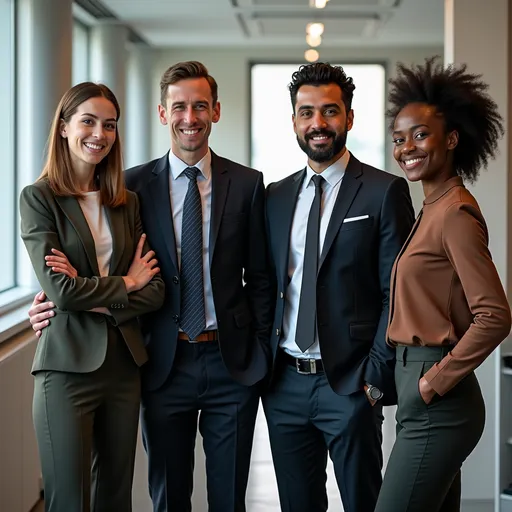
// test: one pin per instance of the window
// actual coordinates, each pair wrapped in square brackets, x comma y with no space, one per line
[7,189]
[275,151]
[80,71]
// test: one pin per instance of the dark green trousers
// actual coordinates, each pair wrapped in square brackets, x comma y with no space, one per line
[86,427]
[423,472]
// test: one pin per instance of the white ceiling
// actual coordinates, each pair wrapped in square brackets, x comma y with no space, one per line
[282,23]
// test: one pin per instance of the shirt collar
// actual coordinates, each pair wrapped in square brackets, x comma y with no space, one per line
[333,173]
[178,166]
[441,190]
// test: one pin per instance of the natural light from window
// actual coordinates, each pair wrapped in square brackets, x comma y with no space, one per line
[7,195]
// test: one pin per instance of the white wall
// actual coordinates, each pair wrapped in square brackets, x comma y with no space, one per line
[231,68]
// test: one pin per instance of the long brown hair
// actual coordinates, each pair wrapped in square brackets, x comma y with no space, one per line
[58,169]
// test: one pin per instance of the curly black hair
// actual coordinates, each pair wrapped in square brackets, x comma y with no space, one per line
[462,99]
[322,73]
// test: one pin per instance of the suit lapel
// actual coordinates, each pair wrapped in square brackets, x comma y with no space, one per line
[284,209]
[159,196]
[74,214]
[115,218]
[348,190]
[220,187]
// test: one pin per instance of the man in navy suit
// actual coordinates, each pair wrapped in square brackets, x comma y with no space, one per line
[334,230]
[208,344]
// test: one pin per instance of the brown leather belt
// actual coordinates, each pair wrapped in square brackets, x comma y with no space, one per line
[204,336]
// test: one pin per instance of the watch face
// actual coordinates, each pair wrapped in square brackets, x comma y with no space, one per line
[375,393]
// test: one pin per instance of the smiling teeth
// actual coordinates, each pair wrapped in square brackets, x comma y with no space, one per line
[190,132]
[413,161]
[321,137]
[93,146]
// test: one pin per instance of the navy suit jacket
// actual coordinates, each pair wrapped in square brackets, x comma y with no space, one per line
[240,278]
[354,272]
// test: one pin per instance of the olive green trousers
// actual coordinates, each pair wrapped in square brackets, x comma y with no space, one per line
[423,472]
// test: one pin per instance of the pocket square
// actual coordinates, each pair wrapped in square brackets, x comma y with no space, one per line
[353,219]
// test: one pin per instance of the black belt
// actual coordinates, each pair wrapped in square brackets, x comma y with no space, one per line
[304,366]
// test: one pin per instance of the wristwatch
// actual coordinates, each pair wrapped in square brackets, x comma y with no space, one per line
[373,392]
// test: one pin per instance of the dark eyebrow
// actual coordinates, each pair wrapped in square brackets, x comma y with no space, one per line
[96,117]
[412,128]
[181,103]
[328,105]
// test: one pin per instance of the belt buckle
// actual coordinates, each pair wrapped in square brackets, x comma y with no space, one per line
[312,366]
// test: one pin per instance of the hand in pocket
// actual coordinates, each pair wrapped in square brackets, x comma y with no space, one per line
[427,392]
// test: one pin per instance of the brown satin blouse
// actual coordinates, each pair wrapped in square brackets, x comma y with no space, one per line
[445,289]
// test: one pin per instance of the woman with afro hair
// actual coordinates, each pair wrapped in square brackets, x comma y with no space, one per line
[448,310]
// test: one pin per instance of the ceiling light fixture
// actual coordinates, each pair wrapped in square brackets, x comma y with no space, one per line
[311,55]
[315,29]
[313,40]
[319,4]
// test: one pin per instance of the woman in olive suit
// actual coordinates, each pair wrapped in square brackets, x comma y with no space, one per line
[83,234]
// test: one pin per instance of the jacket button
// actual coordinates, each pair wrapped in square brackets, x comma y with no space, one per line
[277,332]
[282,295]
[175,280]
[176,318]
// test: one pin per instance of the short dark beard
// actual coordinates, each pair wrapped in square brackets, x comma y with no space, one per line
[327,153]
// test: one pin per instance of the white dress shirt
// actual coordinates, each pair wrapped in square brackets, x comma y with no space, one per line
[94,214]
[333,177]
[178,184]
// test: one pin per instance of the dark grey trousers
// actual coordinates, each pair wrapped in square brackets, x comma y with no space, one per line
[307,422]
[423,472]
[86,427]
[199,393]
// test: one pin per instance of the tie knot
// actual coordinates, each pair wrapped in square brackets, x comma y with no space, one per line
[317,180]
[191,173]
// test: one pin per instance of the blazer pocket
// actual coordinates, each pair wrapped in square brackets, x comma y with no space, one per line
[357,224]
[363,330]
[243,318]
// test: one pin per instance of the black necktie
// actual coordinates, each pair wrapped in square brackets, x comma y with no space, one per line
[306,320]
[193,318]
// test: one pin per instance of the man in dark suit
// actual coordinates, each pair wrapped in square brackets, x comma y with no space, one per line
[334,230]
[208,344]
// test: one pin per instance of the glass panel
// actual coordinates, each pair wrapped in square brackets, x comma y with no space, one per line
[80,71]
[7,189]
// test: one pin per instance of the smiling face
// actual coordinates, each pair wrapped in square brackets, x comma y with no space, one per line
[422,146]
[90,132]
[321,124]
[189,112]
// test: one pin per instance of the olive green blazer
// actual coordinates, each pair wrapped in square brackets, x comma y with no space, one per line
[76,339]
